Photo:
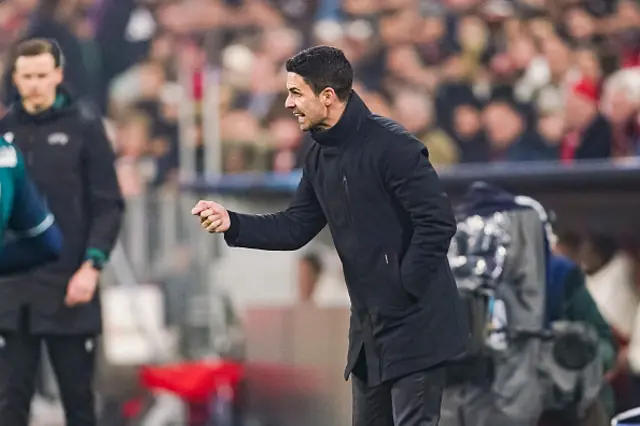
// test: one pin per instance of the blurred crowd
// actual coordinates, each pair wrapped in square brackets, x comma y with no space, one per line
[475,80]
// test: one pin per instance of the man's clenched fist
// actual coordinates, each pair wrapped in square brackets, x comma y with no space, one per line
[213,217]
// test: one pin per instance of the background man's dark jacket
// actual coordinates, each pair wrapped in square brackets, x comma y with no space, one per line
[71,161]
[391,223]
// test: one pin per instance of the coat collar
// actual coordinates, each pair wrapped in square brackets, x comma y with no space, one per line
[348,125]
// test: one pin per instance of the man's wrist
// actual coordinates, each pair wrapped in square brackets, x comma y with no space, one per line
[232,234]
[96,259]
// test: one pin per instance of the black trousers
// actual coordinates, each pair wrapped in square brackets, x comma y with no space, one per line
[73,362]
[413,400]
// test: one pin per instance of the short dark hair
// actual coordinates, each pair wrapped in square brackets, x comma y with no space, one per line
[604,246]
[569,239]
[36,47]
[322,67]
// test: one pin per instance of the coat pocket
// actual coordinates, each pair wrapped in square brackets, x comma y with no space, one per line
[393,297]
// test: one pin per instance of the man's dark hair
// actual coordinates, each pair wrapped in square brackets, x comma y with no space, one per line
[604,246]
[39,46]
[569,239]
[322,67]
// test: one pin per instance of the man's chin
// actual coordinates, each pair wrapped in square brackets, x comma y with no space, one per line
[36,102]
[309,126]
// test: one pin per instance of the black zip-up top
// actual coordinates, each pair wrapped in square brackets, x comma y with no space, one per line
[71,161]
[372,183]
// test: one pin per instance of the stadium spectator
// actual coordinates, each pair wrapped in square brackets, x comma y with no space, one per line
[589,133]
[610,280]
[469,134]
[509,137]
[132,147]
[621,106]
[416,116]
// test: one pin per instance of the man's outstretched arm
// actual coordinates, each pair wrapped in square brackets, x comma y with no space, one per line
[290,229]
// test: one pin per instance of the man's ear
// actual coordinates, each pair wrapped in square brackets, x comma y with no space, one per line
[59,75]
[328,96]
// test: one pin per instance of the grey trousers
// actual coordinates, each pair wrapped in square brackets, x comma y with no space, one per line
[413,400]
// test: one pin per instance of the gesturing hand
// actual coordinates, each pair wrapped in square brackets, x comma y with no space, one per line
[213,217]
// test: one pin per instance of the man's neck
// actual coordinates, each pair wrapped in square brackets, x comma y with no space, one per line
[334,116]
[33,109]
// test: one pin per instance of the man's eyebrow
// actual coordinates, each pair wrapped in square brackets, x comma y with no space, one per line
[294,89]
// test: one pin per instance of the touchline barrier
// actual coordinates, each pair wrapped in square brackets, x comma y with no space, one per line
[584,195]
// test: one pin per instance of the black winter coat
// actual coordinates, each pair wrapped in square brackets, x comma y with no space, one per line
[391,223]
[71,161]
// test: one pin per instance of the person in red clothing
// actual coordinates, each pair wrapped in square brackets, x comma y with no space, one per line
[589,134]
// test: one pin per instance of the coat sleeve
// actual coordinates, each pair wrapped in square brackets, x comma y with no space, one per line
[411,178]
[286,230]
[39,239]
[106,205]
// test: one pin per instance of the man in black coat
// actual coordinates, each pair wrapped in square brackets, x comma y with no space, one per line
[391,222]
[71,162]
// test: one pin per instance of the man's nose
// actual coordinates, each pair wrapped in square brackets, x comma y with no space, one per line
[288,103]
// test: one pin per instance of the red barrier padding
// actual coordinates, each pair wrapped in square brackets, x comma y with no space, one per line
[194,382]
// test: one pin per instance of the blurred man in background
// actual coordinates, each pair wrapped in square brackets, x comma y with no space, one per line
[568,298]
[610,280]
[71,161]
[316,284]
[309,271]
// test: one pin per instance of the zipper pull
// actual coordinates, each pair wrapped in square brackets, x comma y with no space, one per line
[386,258]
